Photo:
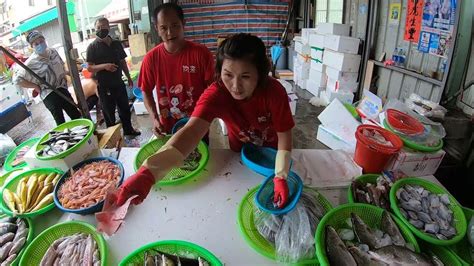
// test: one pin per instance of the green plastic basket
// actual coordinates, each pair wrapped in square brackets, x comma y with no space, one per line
[170,179]
[413,145]
[443,253]
[459,218]
[371,215]
[178,247]
[12,184]
[69,124]
[462,249]
[29,238]
[36,250]
[5,176]
[11,157]
[369,178]
[250,233]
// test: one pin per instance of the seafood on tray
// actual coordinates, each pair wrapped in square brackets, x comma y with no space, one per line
[375,194]
[427,211]
[13,235]
[77,249]
[32,193]
[157,258]
[60,141]
[371,246]
[19,157]
[89,184]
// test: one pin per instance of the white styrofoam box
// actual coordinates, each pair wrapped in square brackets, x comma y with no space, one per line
[342,44]
[340,85]
[9,96]
[303,70]
[318,77]
[334,28]
[341,61]
[317,53]
[339,120]
[416,163]
[313,87]
[287,85]
[339,75]
[316,40]
[87,148]
[319,66]
[305,33]
[303,58]
[302,83]
[333,141]
[328,96]
[140,108]
[293,99]
[302,48]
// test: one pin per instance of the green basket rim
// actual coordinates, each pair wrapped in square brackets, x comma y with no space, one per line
[203,149]
[101,244]
[6,175]
[248,197]
[453,259]
[29,238]
[367,178]
[456,208]
[4,208]
[320,248]
[13,153]
[413,145]
[467,213]
[69,124]
[215,261]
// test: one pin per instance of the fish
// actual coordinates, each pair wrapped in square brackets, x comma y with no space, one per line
[364,258]
[76,249]
[8,261]
[60,141]
[337,252]
[375,194]
[8,237]
[17,245]
[389,226]
[396,255]
[155,257]
[364,233]
[7,227]
[4,250]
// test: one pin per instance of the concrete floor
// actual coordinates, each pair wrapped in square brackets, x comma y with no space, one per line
[304,133]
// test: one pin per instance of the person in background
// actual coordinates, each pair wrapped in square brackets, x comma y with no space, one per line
[46,63]
[106,58]
[179,71]
[253,106]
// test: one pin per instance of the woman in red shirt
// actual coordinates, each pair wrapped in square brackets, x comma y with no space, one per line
[253,106]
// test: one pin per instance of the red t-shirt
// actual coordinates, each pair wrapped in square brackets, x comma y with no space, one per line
[255,120]
[179,79]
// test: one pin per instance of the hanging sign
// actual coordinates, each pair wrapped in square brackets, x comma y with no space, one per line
[413,20]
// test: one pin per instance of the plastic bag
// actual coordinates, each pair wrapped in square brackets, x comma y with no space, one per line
[6,146]
[424,107]
[292,234]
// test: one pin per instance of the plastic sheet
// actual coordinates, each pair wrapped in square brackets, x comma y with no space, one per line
[292,233]
[6,146]
[424,107]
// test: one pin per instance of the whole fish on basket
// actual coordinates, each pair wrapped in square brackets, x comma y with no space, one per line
[13,235]
[375,194]
[77,249]
[60,141]
[158,258]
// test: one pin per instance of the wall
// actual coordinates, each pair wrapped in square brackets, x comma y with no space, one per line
[356,14]
[22,10]
[466,100]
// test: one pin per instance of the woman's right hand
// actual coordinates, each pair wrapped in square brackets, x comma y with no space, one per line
[138,184]
[158,129]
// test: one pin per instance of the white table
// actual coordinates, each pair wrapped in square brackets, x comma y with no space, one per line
[202,211]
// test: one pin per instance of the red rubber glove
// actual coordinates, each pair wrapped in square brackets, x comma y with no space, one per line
[280,188]
[139,184]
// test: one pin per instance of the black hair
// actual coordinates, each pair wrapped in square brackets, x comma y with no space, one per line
[168,6]
[247,47]
[100,20]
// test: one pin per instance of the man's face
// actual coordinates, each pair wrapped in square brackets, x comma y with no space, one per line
[169,27]
[102,25]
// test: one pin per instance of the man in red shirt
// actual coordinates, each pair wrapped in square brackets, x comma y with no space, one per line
[179,71]
[253,106]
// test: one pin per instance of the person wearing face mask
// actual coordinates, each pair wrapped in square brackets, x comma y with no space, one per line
[253,106]
[46,63]
[106,58]
[179,71]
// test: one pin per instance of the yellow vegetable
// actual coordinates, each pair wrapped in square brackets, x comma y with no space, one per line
[56,179]
[49,179]
[32,185]
[43,193]
[9,200]
[20,185]
[42,177]
[44,202]
[34,197]
[19,205]
[23,191]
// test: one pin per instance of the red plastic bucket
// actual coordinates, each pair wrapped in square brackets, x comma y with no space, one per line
[371,155]
[404,123]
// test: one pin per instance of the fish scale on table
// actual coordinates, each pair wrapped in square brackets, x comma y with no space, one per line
[12,238]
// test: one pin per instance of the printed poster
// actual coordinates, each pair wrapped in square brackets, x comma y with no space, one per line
[424,43]
[395,10]
[413,20]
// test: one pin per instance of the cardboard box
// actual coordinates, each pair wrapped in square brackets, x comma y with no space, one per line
[317,53]
[109,137]
[302,48]
[67,162]
[340,85]
[342,44]
[313,87]
[415,163]
[333,141]
[305,33]
[318,65]
[339,75]
[340,61]
[334,29]
[318,77]
[293,100]
[328,96]
[316,40]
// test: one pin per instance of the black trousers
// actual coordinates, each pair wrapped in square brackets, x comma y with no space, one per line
[56,104]
[112,97]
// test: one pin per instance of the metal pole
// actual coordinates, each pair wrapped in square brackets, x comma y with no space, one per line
[71,62]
